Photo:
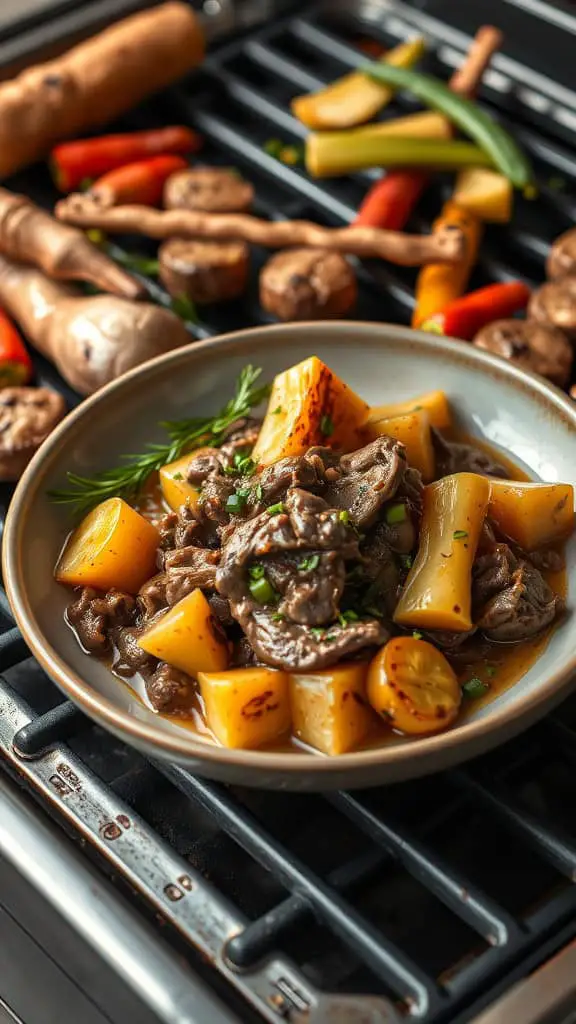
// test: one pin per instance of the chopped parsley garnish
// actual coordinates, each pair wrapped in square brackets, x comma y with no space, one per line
[244,464]
[274,510]
[256,572]
[396,514]
[318,632]
[460,534]
[237,501]
[277,410]
[258,492]
[177,476]
[416,635]
[277,617]
[349,616]
[307,564]
[475,688]
[326,426]
[344,516]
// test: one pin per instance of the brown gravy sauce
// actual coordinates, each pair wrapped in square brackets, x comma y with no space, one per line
[500,665]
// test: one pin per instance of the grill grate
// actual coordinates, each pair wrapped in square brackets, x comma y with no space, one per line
[410,896]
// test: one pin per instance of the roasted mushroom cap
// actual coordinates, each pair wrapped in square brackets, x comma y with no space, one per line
[211,189]
[533,346]
[27,416]
[555,303]
[307,284]
[204,271]
[562,256]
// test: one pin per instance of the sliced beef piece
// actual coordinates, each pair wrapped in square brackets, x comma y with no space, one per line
[535,346]
[202,465]
[27,416]
[368,479]
[180,529]
[310,471]
[220,609]
[301,649]
[210,189]
[94,616]
[204,271]
[241,438]
[185,570]
[511,599]
[547,560]
[130,658]
[168,689]
[307,284]
[454,457]
[242,655]
[379,571]
[310,586]
[447,641]
[412,488]
[201,562]
[166,527]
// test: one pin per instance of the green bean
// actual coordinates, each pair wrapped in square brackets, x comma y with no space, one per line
[496,142]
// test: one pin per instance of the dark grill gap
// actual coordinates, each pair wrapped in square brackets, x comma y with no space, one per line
[410,893]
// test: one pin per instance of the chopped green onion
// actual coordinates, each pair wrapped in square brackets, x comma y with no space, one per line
[309,563]
[350,616]
[475,688]
[177,476]
[277,410]
[277,617]
[460,534]
[396,514]
[244,464]
[259,492]
[406,561]
[344,516]
[326,426]
[274,510]
[230,470]
[256,572]
[236,502]
[416,635]
[318,632]
[262,591]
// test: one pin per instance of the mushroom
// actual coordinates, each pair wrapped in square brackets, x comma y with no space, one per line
[542,348]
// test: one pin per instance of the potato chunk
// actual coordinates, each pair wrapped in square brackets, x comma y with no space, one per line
[176,490]
[329,708]
[309,405]
[412,686]
[532,514]
[185,637]
[114,546]
[413,431]
[246,707]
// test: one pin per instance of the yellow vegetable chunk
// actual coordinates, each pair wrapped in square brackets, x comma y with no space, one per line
[185,637]
[355,97]
[437,592]
[412,686]
[532,514]
[246,707]
[435,403]
[329,708]
[175,488]
[413,431]
[114,546]
[309,405]
[486,193]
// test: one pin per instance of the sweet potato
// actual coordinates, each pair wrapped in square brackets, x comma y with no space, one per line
[435,403]
[534,515]
[437,592]
[413,431]
[412,686]
[246,707]
[175,488]
[309,405]
[185,637]
[329,708]
[114,546]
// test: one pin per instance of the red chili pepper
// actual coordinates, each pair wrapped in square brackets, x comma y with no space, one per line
[391,200]
[73,162]
[15,362]
[142,182]
[464,317]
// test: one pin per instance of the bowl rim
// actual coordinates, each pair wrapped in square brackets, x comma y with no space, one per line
[183,745]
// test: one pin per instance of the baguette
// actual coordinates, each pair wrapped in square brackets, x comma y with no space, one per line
[96,81]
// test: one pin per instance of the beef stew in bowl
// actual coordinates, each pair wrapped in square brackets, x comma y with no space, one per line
[322,577]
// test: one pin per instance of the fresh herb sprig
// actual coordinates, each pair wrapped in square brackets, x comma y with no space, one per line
[127,480]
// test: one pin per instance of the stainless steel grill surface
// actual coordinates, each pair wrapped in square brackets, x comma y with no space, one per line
[442,899]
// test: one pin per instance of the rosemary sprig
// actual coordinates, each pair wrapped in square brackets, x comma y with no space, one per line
[127,480]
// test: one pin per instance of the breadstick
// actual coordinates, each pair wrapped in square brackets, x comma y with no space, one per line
[405,250]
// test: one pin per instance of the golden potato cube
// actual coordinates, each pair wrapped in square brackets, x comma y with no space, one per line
[185,637]
[175,488]
[330,709]
[246,707]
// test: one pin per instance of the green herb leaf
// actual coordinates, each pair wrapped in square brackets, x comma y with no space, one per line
[185,309]
[244,464]
[127,480]
[236,502]
[277,410]
[344,516]
[318,632]
[349,616]
[475,688]
[274,510]
[460,534]
[395,514]
[326,426]
[416,635]
[309,563]
[256,572]
[277,617]
[262,591]
[177,476]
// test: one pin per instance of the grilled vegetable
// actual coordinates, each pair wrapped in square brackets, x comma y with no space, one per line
[246,707]
[389,202]
[413,688]
[185,637]
[330,710]
[354,98]
[498,145]
[330,154]
[114,547]
[435,289]
[15,362]
[309,405]
[465,316]
[534,515]
[485,193]
[141,182]
[73,162]
[413,430]
[437,592]
[435,403]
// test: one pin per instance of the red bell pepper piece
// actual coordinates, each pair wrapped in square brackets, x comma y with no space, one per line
[74,162]
[142,182]
[464,317]
[15,362]
[391,200]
